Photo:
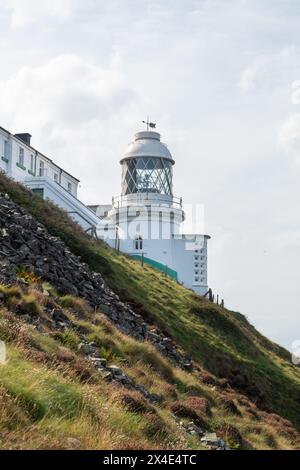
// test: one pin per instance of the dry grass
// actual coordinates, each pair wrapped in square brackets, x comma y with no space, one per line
[76,305]
[194,408]
[53,398]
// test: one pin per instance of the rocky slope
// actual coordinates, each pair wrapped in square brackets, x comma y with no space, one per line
[26,245]
[208,370]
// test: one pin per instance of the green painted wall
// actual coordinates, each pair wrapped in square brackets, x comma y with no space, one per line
[155,264]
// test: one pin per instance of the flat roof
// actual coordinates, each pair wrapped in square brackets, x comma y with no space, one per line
[32,148]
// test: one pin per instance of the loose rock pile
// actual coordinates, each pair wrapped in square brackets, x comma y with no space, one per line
[208,439]
[26,243]
[113,373]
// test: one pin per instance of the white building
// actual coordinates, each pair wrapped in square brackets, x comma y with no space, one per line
[145,221]
[20,161]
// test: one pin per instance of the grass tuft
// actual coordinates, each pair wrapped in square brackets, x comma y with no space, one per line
[77,305]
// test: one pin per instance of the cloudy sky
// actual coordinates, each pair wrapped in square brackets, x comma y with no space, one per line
[222,80]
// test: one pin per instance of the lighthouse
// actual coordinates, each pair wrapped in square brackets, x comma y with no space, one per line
[145,219]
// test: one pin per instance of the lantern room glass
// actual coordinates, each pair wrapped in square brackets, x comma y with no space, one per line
[147,175]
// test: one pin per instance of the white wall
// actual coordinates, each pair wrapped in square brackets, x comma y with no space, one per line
[3,164]
[55,193]
[186,250]
[178,252]
[13,169]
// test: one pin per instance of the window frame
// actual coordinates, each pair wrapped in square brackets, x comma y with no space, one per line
[21,158]
[42,168]
[138,243]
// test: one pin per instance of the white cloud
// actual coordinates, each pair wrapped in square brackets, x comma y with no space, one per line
[249,78]
[67,90]
[284,241]
[268,71]
[74,109]
[289,137]
[25,12]
[80,75]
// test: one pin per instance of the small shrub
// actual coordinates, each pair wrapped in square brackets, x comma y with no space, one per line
[147,354]
[12,416]
[8,293]
[105,324]
[132,445]
[134,402]
[193,408]
[231,435]
[8,330]
[68,338]
[29,306]
[77,305]
[208,378]
[28,276]
[155,428]
[168,391]
[282,426]
[253,413]
[230,406]
[107,346]
[270,439]
[223,383]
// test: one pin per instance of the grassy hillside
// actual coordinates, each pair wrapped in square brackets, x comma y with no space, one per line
[53,398]
[220,341]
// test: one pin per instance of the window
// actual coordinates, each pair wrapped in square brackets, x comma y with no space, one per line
[69,187]
[196,279]
[56,177]
[196,257]
[21,156]
[6,149]
[147,175]
[39,192]
[196,265]
[42,168]
[196,251]
[196,272]
[138,243]
[31,163]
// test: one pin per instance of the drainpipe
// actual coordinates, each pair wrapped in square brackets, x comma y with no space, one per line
[35,162]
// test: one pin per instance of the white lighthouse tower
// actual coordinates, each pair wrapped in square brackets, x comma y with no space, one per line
[145,220]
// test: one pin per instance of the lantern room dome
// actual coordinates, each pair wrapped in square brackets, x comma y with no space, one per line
[147,144]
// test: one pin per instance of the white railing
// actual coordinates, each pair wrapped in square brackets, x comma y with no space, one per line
[141,198]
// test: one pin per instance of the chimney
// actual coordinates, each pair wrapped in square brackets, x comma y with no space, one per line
[25,137]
